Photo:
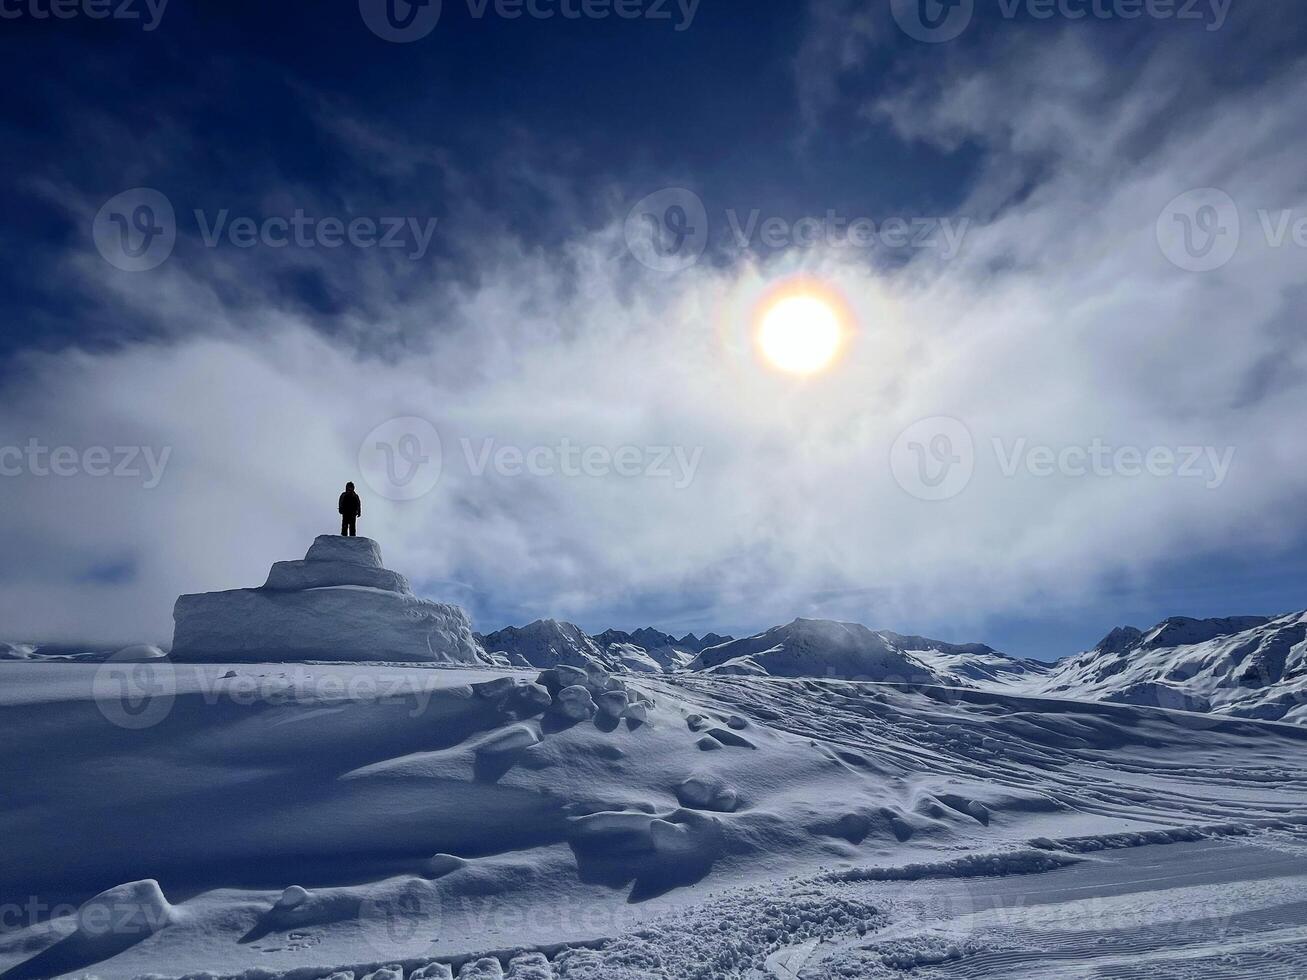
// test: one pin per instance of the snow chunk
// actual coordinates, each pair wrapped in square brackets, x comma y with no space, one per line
[486,968]
[707,793]
[530,966]
[556,678]
[575,702]
[613,703]
[292,897]
[638,711]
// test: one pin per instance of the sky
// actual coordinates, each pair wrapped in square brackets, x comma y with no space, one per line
[505,265]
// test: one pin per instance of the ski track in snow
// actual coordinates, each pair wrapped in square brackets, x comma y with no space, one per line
[678,826]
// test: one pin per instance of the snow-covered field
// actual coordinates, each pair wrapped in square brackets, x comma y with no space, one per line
[308,819]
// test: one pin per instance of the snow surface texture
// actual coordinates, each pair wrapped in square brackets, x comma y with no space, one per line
[386,822]
[339,603]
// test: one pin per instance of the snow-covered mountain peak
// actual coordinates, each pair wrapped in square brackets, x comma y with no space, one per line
[1246,666]
[547,643]
[1119,640]
[1183,631]
[817,648]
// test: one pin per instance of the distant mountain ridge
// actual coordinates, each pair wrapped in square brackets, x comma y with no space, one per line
[547,643]
[1241,666]
[1238,666]
[817,648]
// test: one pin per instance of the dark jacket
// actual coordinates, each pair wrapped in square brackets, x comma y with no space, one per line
[350,505]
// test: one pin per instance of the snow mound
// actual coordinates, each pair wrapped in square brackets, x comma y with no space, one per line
[136,909]
[339,603]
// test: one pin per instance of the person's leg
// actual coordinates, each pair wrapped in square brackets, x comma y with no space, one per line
[344,526]
[352,531]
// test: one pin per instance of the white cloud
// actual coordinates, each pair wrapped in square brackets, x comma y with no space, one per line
[1060,323]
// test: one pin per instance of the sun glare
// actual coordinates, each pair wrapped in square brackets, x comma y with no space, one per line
[800,332]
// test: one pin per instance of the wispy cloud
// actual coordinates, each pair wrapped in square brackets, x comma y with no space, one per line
[1060,322]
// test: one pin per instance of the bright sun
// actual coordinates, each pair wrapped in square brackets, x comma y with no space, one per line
[800,333]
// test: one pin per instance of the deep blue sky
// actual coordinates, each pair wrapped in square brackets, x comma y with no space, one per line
[538,133]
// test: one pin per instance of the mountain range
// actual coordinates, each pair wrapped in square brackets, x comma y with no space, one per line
[1243,666]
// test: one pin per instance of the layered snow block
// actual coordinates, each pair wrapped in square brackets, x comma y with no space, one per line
[339,603]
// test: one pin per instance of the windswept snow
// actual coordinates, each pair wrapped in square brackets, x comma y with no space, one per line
[358,818]
[820,800]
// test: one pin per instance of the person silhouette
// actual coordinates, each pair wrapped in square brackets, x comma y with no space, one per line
[350,507]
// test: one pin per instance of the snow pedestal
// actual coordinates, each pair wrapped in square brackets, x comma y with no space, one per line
[339,603]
